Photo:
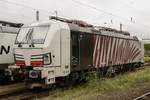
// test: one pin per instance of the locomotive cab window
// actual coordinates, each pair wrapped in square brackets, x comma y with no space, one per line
[34,34]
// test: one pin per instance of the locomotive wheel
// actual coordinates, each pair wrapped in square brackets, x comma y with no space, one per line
[4,79]
[87,76]
[111,72]
[82,76]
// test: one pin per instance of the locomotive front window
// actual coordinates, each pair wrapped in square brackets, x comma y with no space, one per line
[36,34]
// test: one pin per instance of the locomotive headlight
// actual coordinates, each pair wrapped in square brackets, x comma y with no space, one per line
[34,74]
[47,58]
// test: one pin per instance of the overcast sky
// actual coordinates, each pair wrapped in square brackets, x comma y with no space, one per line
[98,12]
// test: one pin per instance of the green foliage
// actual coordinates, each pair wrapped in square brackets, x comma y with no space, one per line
[147,59]
[147,49]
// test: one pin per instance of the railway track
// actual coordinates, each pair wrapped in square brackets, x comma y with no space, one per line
[20,91]
[145,96]
[7,89]
[23,94]
[147,64]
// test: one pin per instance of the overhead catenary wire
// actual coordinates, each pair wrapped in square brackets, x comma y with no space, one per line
[108,13]
[4,12]
[100,10]
[14,16]
[32,9]
[26,6]
[35,9]
[77,2]
[129,22]
[49,13]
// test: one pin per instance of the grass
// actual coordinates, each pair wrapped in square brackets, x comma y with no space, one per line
[147,52]
[100,86]
[147,49]
[147,58]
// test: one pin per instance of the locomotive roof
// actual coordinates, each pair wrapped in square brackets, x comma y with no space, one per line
[6,29]
[103,31]
[9,27]
[84,26]
[76,25]
[10,24]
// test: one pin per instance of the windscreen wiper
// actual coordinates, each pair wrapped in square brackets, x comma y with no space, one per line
[30,37]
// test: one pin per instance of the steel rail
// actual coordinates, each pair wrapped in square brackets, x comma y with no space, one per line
[145,96]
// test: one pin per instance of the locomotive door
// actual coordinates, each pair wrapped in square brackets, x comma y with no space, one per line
[75,49]
[86,50]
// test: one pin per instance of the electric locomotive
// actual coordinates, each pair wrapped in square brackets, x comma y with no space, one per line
[8,33]
[47,52]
